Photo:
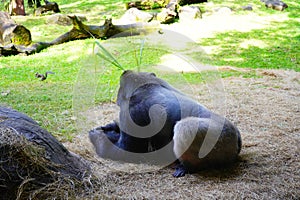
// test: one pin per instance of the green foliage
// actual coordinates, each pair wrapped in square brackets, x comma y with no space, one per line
[154,3]
[106,55]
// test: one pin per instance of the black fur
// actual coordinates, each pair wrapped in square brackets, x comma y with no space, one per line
[139,92]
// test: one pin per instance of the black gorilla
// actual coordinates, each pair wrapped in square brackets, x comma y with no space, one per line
[159,124]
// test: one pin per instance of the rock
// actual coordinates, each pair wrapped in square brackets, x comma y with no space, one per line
[135,15]
[248,7]
[173,6]
[275,4]
[223,10]
[189,13]
[5,93]
[63,20]
[166,16]
[49,6]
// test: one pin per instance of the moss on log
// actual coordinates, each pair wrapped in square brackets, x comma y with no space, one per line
[10,32]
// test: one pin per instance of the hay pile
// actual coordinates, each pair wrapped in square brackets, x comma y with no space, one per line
[34,165]
[27,173]
[265,109]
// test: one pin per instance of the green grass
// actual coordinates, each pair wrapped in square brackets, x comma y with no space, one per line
[280,47]
[82,80]
[51,102]
[281,40]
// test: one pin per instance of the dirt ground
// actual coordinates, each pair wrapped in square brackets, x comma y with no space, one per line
[267,112]
[266,109]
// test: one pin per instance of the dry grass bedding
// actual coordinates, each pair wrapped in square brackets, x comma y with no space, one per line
[267,112]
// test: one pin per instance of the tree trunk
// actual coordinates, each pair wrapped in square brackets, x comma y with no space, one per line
[10,32]
[31,156]
[16,7]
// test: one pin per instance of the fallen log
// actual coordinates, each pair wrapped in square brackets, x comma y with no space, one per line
[10,32]
[32,158]
[32,3]
[107,30]
[81,31]
[49,6]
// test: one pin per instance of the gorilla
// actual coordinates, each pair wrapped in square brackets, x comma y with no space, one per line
[158,124]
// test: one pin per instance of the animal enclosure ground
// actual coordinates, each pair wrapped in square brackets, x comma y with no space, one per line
[266,108]
[267,112]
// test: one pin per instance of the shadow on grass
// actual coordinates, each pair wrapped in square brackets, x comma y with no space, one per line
[112,7]
[276,47]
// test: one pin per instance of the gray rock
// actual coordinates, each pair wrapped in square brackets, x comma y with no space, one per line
[275,4]
[189,13]
[223,10]
[136,15]
[166,16]
[248,7]
[62,20]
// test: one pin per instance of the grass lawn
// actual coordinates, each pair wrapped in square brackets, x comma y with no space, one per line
[51,102]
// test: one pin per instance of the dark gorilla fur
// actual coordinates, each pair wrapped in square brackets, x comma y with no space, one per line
[185,127]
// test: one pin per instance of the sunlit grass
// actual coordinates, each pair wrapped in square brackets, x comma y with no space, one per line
[278,48]
[275,46]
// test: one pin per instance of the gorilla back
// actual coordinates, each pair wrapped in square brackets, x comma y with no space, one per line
[154,115]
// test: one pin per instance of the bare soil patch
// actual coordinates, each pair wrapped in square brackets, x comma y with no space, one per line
[267,112]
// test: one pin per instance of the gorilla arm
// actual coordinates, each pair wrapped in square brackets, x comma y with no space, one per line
[113,145]
[103,144]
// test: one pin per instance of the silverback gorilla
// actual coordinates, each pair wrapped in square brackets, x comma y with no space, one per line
[158,124]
